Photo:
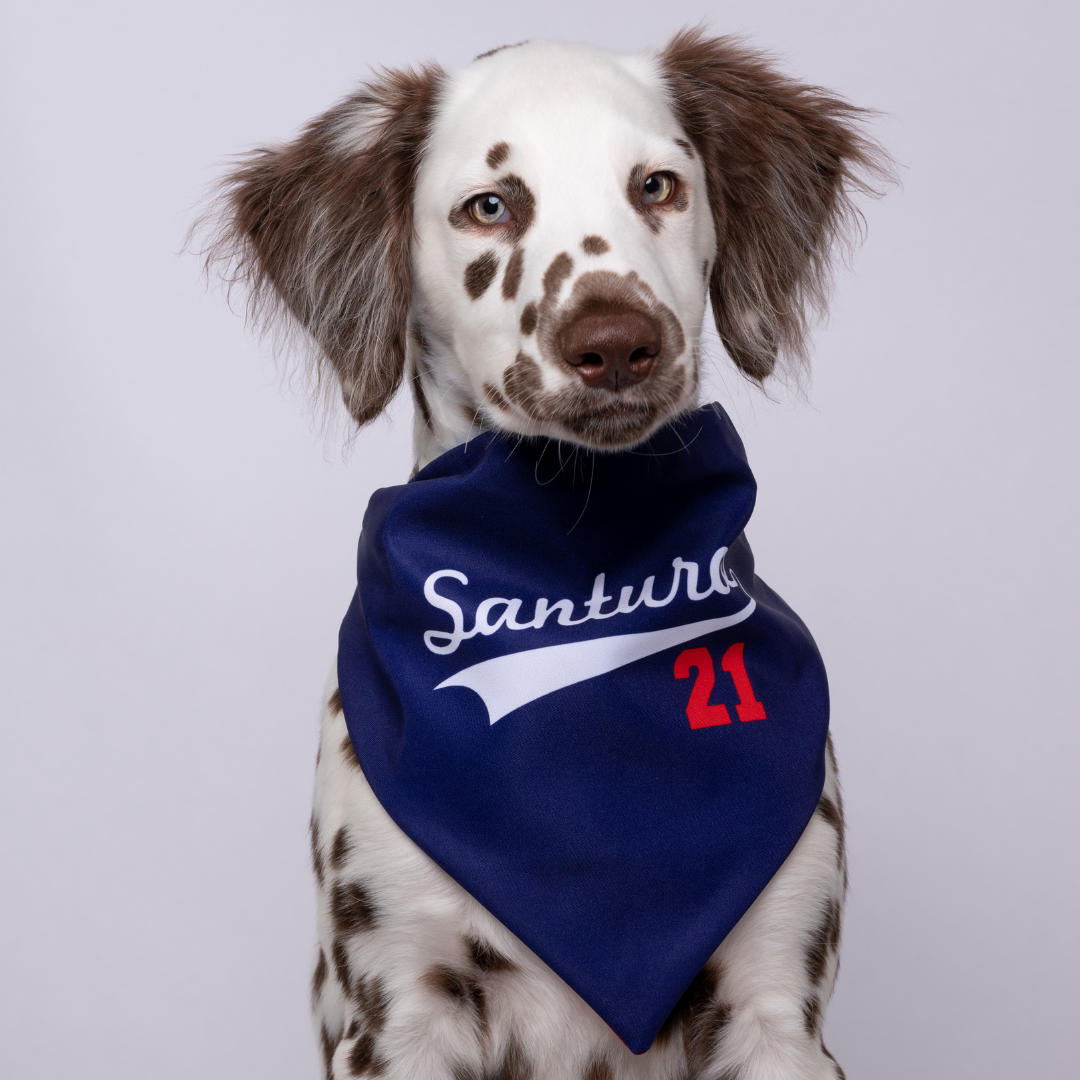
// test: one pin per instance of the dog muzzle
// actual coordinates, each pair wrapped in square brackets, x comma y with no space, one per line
[565,682]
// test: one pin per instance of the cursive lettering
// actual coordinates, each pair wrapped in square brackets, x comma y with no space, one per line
[497,612]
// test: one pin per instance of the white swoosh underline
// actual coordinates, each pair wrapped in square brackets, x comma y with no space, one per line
[505,683]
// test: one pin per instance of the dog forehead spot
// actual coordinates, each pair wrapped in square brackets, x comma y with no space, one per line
[529,318]
[480,273]
[497,154]
[686,146]
[595,245]
[559,270]
[512,278]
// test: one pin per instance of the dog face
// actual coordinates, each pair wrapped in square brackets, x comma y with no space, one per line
[531,240]
[563,240]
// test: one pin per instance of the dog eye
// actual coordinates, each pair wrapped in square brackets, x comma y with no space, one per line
[658,188]
[489,210]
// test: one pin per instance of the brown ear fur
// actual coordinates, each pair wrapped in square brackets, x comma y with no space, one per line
[781,162]
[321,228]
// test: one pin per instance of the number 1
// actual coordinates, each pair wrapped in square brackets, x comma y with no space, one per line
[749,708]
[698,710]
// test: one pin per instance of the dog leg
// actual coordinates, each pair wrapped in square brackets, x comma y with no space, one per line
[774,973]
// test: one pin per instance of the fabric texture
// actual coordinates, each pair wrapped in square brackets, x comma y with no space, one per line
[565,682]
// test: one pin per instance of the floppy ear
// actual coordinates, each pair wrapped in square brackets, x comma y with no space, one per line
[781,162]
[320,229]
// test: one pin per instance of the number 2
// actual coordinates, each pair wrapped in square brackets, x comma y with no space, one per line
[698,710]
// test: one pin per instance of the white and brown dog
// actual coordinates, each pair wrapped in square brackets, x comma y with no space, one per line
[530,242]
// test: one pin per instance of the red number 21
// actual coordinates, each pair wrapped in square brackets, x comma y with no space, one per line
[698,710]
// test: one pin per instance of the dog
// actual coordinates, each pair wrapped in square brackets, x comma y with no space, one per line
[529,242]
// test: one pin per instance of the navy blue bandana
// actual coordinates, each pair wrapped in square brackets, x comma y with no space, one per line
[565,682]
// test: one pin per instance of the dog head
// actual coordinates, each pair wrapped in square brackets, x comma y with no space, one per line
[532,239]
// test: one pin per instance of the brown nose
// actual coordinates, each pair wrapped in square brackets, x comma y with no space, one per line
[612,350]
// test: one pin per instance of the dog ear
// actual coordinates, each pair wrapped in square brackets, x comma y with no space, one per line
[320,229]
[782,160]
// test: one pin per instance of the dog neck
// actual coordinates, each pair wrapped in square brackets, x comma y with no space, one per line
[446,413]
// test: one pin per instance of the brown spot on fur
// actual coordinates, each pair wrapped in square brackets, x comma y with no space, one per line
[319,231]
[460,987]
[328,1044]
[334,704]
[352,908]
[318,977]
[348,752]
[339,849]
[340,957]
[373,1001]
[824,942]
[833,812]
[487,958]
[598,1069]
[421,401]
[514,1064]
[512,278]
[694,1001]
[501,48]
[362,1059]
[703,1035]
[316,854]
[705,269]
[702,1018]
[781,162]
[595,245]
[519,197]
[528,318]
[828,810]
[812,1016]
[525,385]
[494,397]
[557,272]
[686,146]
[416,382]
[470,414]
[836,1064]
[480,273]
[497,155]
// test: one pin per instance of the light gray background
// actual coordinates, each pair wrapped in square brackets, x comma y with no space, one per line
[178,533]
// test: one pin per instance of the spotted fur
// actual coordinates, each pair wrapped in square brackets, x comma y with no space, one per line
[359,233]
